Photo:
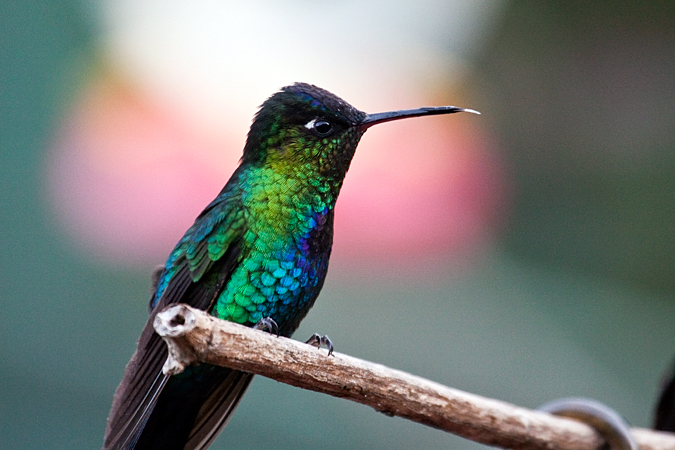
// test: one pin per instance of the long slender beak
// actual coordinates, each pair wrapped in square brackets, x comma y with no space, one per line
[374,119]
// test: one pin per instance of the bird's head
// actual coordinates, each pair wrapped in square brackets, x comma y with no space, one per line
[303,127]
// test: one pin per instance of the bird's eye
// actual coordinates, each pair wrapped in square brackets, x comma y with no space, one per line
[321,127]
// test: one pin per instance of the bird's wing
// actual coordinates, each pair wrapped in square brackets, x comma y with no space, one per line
[196,273]
[664,418]
[217,409]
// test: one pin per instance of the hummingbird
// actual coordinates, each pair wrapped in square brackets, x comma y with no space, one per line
[257,255]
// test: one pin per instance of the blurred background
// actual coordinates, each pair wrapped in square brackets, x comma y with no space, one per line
[524,254]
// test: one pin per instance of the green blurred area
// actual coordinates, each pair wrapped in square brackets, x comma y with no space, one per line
[583,97]
[576,298]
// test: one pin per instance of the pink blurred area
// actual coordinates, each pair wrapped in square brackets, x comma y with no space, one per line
[128,175]
[428,186]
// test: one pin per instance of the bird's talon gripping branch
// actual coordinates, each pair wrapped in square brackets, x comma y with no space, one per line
[267,323]
[319,340]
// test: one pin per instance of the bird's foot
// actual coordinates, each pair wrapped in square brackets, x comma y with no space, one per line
[319,340]
[267,323]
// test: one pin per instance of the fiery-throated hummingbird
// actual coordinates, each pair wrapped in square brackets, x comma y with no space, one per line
[258,254]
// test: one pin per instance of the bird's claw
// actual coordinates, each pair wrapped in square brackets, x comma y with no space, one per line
[319,340]
[267,323]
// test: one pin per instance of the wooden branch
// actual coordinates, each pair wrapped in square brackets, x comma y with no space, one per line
[194,336]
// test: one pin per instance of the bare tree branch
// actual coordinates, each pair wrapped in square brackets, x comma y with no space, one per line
[194,336]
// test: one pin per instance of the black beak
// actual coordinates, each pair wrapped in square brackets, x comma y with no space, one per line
[374,119]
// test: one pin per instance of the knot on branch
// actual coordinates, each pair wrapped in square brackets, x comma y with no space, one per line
[173,324]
